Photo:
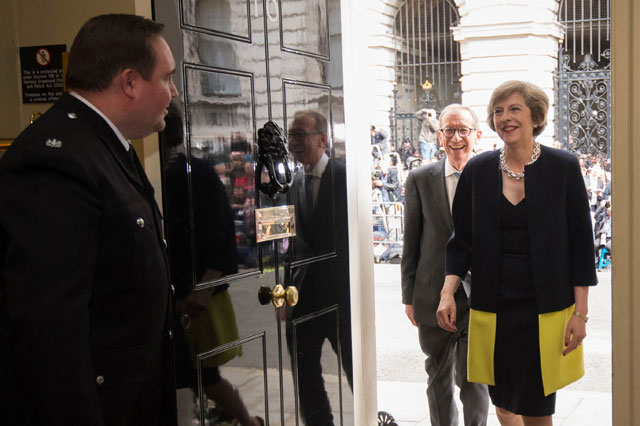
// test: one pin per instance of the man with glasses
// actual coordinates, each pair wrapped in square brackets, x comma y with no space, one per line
[319,195]
[429,192]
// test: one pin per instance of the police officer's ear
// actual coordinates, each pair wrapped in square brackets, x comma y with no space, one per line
[127,81]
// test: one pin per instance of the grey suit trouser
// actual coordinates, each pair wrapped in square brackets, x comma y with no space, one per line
[446,364]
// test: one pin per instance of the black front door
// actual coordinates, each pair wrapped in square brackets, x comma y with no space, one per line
[240,64]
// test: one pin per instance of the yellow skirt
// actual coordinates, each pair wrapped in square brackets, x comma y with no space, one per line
[557,370]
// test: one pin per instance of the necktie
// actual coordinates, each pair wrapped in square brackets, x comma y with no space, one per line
[457,175]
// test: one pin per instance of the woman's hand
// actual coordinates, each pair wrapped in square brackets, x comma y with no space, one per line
[575,334]
[446,313]
[577,327]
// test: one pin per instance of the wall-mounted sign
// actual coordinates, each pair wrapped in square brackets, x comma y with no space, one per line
[42,77]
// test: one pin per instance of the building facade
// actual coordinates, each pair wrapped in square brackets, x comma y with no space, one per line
[448,51]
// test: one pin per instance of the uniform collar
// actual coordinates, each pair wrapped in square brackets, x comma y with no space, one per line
[125,142]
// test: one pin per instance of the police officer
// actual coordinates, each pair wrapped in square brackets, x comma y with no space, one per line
[83,271]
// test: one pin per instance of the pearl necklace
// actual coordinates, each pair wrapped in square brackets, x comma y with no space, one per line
[507,170]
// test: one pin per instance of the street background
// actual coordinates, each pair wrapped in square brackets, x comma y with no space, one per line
[400,362]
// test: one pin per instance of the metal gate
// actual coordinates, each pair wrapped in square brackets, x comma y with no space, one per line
[583,79]
[427,64]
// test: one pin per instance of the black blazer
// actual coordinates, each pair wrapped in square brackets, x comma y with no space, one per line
[322,283]
[83,278]
[561,238]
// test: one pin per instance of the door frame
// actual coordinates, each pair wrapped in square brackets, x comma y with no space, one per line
[625,108]
[358,93]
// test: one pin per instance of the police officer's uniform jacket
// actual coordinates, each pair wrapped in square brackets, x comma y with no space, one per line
[83,277]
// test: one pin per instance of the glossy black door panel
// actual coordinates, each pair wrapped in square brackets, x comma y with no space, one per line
[305,27]
[240,64]
[222,18]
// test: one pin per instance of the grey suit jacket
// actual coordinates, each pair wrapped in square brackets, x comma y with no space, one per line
[427,227]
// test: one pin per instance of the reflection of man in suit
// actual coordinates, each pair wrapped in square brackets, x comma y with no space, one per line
[429,192]
[83,273]
[319,198]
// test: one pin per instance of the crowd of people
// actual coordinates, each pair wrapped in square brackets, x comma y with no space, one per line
[596,173]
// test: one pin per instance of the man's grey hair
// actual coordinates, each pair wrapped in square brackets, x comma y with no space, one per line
[458,107]
[320,120]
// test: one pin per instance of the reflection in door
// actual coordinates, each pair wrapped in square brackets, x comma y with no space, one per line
[240,64]
[322,315]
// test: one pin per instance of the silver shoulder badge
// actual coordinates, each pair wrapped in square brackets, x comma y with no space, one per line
[53,143]
[72,115]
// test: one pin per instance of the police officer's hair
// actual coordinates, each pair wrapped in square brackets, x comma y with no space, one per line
[108,44]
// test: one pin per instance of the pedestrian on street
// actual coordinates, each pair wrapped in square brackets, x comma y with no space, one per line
[429,192]
[428,131]
[522,224]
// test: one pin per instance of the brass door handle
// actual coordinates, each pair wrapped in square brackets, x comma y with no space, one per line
[278,296]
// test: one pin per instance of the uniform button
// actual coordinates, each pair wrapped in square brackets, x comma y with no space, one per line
[164,243]
[140,222]
[72,115]
[173,290]
[100,380]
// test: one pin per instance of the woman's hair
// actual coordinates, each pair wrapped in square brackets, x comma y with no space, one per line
[535,98]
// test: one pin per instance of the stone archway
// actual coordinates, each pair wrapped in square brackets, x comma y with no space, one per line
[381,58]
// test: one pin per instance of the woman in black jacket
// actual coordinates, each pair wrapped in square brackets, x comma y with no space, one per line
[528,243]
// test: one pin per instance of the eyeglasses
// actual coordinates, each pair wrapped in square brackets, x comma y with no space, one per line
[300,134]
[462,131]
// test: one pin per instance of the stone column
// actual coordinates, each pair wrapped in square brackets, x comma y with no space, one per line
[376,23]
[500,41]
